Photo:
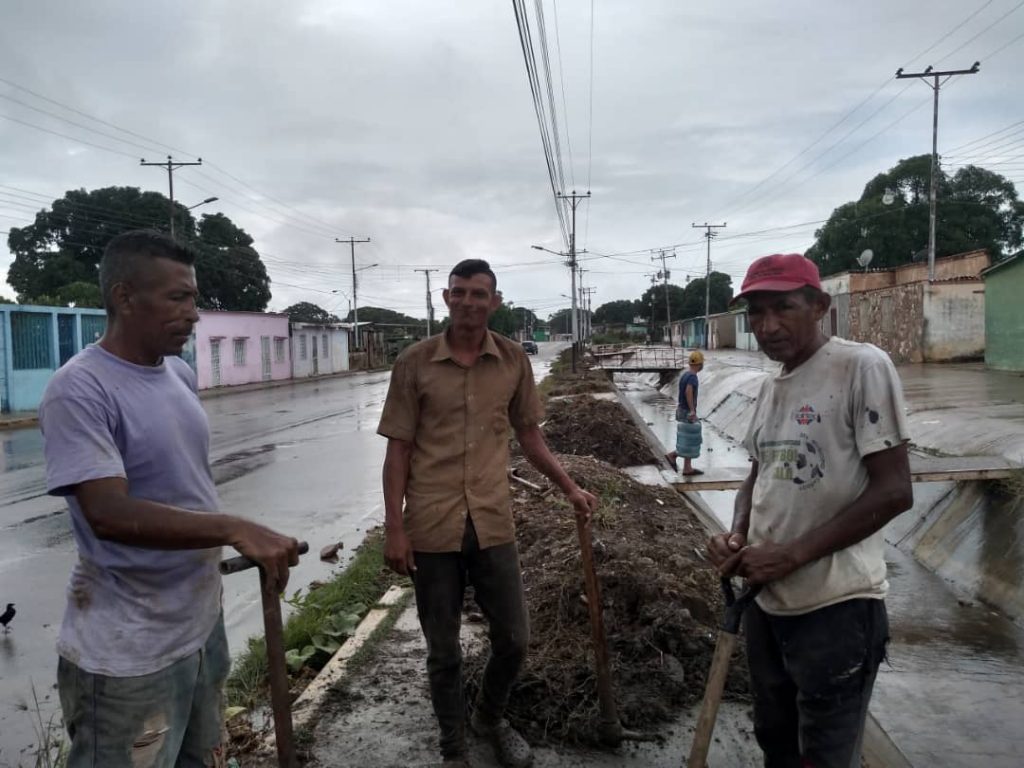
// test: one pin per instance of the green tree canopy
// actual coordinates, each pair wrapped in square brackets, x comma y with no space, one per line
[385,316]
[306,312]
[618,312]
[561,321]
[976,209]
[59,253]
[689,301]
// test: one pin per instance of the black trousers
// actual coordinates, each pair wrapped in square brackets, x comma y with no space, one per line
[440,582]
[812,677]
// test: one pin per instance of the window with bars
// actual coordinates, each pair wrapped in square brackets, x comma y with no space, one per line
[303,351]
[327,350]
[279,349]
[240,345]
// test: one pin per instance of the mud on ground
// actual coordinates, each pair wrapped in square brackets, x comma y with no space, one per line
[585,426]
[661,608]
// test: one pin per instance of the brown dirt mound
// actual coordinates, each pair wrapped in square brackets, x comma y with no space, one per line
[661,608]
[583,426]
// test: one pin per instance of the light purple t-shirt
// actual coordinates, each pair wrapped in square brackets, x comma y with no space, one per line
[132,611]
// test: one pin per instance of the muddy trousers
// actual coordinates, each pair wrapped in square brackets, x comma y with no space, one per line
[812,677]
[440,582]
[168,719]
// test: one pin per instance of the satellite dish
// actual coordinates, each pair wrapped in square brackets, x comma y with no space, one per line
[865,258]
[888,198]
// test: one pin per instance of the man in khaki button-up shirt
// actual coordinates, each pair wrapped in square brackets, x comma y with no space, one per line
[452,402]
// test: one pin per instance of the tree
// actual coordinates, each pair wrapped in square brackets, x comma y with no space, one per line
[64,244]
[5,300]
[652,303]
[229,271]
[976,209]
[560,321]
[305,312]
[618,312]
[385,316]
[694,299]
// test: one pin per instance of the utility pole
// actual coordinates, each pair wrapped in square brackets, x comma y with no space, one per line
[935,85]
[430,304]
[587,313]
[171,167]
[355,287]
[709,232]
[664,274]
[583,307]
[574,201]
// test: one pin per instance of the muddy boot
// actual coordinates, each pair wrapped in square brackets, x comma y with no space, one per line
[510,748]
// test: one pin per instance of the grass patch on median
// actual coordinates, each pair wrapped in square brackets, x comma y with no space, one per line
[317,623]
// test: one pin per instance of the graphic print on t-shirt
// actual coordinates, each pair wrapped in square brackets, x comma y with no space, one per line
[806,414]
[800,462]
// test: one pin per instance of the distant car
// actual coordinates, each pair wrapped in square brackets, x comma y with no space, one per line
[530,347]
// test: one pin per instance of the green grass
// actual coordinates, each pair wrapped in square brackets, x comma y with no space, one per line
[357,588]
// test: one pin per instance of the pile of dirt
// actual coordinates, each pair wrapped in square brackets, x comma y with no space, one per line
[585,426]
[661,604]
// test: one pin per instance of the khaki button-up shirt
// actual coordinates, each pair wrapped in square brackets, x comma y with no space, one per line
[458,420]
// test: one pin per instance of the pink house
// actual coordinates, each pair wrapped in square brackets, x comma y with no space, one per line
[232,348]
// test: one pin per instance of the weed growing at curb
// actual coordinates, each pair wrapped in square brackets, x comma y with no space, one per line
[353,591]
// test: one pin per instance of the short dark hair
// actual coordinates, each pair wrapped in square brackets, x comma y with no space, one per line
[125,255]
[469,267]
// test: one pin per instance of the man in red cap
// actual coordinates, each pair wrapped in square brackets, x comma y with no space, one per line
[829,469]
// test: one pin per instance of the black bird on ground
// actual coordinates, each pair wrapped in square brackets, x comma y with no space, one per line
[7,615]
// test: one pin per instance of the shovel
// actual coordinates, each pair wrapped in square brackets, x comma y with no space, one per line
[273,630]
[610,730]
[727,637]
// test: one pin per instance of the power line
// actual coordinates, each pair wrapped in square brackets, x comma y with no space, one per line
[565,106]
[92,117]
[66,136]
[529,58]
[979,34]
[171,165]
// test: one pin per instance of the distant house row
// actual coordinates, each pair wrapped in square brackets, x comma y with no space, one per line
[971,310]
[226,348]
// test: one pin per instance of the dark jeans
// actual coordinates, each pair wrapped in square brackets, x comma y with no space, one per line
[440,581]
[812,677]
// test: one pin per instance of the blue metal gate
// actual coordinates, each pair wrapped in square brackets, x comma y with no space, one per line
[93,327]
[65,338]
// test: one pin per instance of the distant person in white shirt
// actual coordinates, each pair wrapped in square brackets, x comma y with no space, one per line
[830,469]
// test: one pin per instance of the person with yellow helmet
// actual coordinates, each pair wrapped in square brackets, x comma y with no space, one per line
[688,428]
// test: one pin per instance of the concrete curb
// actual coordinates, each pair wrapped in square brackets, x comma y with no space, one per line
[309,704]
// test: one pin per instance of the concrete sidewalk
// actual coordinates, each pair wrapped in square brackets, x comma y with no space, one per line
[383,718]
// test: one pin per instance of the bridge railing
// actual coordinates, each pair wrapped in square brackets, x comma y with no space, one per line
[647,358]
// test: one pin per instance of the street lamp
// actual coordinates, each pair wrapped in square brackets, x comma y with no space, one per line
[207,200]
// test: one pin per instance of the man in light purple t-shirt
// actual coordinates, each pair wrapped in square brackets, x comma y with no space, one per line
[143,656]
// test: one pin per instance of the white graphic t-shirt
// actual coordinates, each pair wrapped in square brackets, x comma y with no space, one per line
[810,431]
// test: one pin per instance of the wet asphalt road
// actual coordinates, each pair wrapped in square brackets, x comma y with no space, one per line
[304,459]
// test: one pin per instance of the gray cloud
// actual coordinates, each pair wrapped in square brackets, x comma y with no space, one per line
[412,123]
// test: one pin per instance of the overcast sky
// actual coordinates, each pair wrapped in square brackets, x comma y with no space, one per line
[412,123]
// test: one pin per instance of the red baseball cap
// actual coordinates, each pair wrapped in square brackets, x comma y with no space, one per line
[779,272]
